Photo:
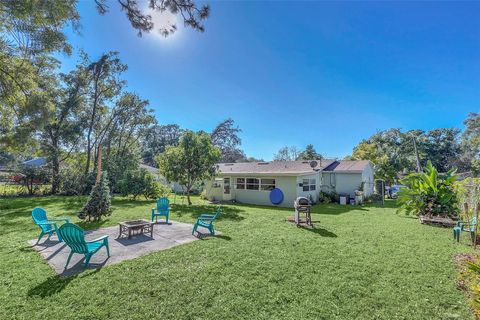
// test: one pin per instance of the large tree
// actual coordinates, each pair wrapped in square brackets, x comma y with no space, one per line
[225,137]
[287,154]
[63,128]
[190,162]
[309,154]
[157,138]
[192,14]
[470,142]
[103,88]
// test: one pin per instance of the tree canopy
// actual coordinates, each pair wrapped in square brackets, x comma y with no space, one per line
[191,161]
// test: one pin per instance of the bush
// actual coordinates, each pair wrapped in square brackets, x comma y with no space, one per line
[468,195]
[140,182]
[327,197]
[99,202]
[429,193]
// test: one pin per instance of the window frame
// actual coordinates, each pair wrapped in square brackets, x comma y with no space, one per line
[253,184]
[269,185]
[311,184]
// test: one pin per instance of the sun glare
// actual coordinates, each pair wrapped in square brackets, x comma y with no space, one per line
[161,21]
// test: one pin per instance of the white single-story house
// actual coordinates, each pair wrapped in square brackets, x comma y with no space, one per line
[252,182]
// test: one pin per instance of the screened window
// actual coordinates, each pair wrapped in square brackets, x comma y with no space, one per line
[240,183]
[253,184]
[309,184]
[267,184]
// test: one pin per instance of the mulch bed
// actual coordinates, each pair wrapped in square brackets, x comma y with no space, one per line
[438,221]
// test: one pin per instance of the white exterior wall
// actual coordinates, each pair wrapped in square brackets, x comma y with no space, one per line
[313,193]
[348,183]
[288,185]
[213,194]
[262,197]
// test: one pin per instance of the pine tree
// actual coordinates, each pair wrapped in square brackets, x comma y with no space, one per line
[99,202]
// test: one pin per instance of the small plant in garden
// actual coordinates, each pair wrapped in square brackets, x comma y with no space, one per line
[429,193]
[99,201]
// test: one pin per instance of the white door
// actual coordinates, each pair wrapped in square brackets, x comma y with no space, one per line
[227,190]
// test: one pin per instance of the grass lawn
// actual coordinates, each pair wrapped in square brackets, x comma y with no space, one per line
[361,263]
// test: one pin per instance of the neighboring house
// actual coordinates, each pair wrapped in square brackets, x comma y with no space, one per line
[251,182]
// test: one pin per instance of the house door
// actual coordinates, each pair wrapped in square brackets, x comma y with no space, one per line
[227,192]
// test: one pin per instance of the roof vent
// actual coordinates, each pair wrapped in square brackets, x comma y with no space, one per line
[262,163]
[313,164]
[228,164]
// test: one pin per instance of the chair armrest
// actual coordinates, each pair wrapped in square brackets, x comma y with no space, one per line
[206,216]
[60,219]
[98,239]
[46,223]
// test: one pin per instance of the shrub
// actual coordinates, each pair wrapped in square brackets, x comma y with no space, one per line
[99,201]
[429,193]
[468,196]
[140,182]
[327,197]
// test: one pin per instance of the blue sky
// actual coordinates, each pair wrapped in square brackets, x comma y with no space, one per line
[293,73]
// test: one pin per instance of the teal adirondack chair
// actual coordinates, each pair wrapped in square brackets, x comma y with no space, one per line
[162,210]
[74,238]
[206,221]
[47,226]
[465,226]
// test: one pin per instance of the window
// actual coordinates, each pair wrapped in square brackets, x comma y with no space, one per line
[309,185]
[240,183]
[252,184]
[267,184]
[217,183]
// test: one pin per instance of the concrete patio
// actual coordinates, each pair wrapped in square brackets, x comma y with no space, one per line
[164,237]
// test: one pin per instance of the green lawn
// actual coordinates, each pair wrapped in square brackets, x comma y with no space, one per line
[361,263]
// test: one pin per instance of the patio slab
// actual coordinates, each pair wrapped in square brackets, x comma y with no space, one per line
[164,237]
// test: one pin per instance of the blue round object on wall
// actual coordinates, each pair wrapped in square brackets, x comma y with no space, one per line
[276,196]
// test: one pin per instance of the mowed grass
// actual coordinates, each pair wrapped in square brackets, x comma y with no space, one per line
[358,263]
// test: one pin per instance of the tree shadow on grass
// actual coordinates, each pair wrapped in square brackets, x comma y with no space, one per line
[320,231]
[91,225]
[336,209]
[228,213]
[55,284]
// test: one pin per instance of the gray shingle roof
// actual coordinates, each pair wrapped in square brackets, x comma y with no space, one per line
[347,166]
[289,167]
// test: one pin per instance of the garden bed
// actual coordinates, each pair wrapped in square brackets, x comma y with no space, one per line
[438,221]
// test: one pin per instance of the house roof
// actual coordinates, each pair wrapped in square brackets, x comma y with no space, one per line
[289,167]
[36,162]
[352,166]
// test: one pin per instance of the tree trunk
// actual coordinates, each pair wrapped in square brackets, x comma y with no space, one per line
[189,201]
[55,173]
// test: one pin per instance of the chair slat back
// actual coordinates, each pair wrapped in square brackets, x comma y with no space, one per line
[74,237]
[217,213]
[40,215]
[163,204]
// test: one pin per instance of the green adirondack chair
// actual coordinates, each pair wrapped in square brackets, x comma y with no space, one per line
[465,226]
[74,238]
[206,221]
[162,210]
[47,226]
